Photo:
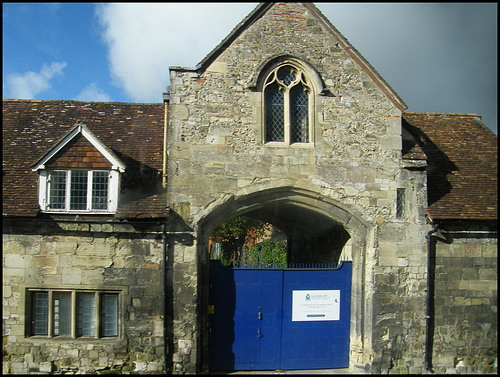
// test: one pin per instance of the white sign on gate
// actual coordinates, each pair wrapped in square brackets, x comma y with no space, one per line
[316,305]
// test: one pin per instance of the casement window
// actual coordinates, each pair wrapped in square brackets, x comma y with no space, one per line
[288,103]
[73,313]
[78,190]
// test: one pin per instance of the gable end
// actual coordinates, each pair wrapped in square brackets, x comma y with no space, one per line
[79,153]
[70,152]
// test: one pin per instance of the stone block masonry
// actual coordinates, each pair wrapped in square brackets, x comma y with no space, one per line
[465,333]
[122,259]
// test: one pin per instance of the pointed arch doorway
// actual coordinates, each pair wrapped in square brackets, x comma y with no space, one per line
[286,318]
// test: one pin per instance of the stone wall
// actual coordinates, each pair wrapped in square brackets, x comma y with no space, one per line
[84,255]
[466,278]
[399,283]
[215,131]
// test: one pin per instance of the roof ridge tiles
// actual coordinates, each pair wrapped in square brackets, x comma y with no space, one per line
[439,113]
[21,100]
[79,101]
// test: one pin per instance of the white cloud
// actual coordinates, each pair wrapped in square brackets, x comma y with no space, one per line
[93,93]
[435,45]
[144,40]
[28,85]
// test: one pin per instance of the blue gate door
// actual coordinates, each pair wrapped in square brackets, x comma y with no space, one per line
[267,319]
[245,327]
[316,318]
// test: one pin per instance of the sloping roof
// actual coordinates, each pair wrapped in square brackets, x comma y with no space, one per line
[263,8]
[133,132]
[461,155]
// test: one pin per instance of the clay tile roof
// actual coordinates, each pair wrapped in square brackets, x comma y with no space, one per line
[461,155]
[134,132]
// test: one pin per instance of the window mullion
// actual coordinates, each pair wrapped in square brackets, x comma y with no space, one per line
[89,189]
[286,109]
[74,314]
[44,192]
[97,316]
[310,135]
[50,315]
[68,190]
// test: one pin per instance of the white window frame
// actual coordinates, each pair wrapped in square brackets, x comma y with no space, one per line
[74,332]
[113,187]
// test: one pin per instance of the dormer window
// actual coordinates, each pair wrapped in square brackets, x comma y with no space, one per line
[78,190]
[79,175]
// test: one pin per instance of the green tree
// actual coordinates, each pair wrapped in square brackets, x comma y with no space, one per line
[232,235]
[268,253]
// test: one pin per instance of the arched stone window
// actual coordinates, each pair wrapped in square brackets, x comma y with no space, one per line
[288,103]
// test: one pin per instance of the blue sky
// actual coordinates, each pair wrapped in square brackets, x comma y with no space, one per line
[439,57]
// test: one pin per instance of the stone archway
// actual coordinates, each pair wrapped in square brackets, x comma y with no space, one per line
[318,227]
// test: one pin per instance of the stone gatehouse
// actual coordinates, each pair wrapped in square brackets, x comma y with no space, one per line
[107,222]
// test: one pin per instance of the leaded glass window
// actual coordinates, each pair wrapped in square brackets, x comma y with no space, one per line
[40,313]
[287,102]
[78,196]
[86,314]
[57,190]
[275,119]
[400,203]
[99,190]
[78,190]
[299,105]
[62,313]
[74,313]
[109,314]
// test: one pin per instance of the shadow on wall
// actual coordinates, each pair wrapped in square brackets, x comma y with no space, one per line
[439,164]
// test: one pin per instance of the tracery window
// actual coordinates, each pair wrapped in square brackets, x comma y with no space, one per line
[287,103]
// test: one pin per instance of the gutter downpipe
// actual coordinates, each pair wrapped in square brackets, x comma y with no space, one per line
[431,255]
[166,98]
[164,298]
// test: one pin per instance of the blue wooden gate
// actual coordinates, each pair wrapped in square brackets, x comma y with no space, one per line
[279,318]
